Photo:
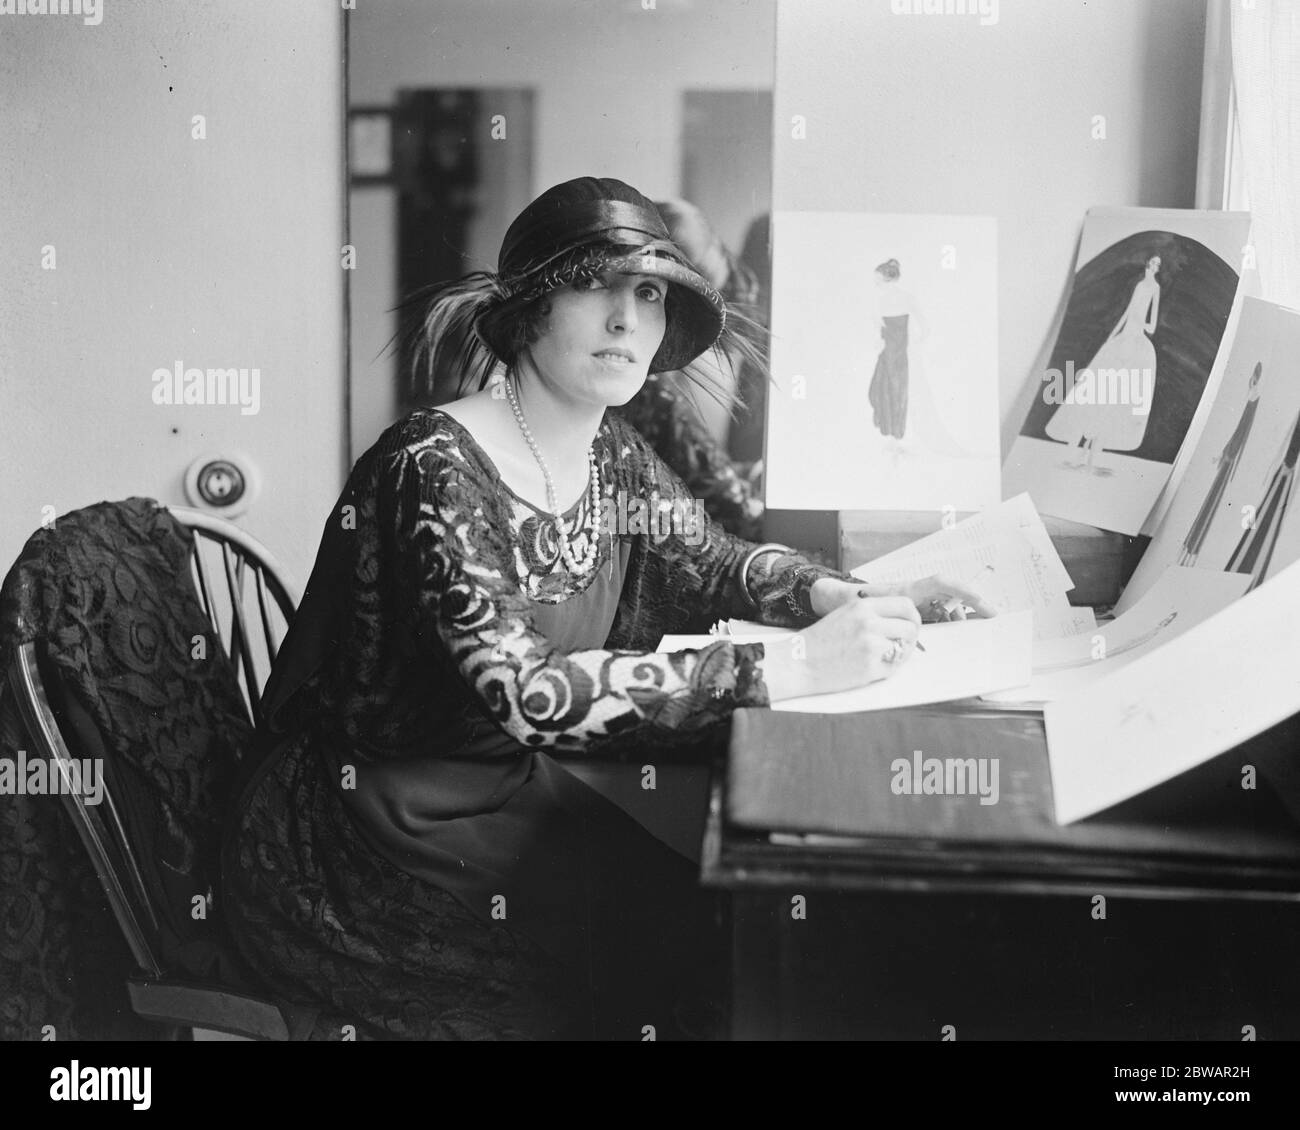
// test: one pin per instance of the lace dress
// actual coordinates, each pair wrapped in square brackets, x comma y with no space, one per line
[410,853]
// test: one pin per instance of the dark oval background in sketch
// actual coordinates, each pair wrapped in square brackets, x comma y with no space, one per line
[1196,292]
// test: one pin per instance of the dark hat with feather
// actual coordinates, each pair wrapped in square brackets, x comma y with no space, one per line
[573,231]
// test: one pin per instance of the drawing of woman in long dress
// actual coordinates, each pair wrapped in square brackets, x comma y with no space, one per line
[1128,349]
[889,383]
[1227,460]
[1255,550]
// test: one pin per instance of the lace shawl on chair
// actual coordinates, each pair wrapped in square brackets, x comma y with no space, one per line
[107,589]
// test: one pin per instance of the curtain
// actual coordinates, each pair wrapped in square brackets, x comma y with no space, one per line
[1266,83]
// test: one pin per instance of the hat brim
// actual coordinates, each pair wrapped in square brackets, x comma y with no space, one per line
[699,310]
[697,315]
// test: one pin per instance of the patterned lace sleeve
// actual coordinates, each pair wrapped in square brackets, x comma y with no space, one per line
[696,562]
[456,565]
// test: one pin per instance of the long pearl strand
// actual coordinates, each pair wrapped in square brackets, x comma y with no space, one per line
[575,564]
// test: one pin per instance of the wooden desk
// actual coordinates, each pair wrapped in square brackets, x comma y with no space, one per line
[837,942]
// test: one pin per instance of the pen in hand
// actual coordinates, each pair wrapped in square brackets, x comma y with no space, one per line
[864,594]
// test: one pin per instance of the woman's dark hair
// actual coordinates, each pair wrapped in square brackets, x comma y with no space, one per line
[889,269]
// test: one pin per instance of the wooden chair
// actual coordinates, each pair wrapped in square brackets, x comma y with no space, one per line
[250,604]
[236,576]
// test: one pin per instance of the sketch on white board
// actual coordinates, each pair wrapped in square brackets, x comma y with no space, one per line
[1254,552]
[1137,350]
[884,358]
[1233,511]
[1113,425]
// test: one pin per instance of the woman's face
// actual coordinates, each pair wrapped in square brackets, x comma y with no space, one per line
[600,337]
[1153,264]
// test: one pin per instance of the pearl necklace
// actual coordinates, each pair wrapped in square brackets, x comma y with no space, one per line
[575,564]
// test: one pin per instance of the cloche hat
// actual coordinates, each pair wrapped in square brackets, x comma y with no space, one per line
[573,231]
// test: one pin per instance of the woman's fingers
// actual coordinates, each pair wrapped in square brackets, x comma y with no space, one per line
[896,628]
[894,608]
[943,591]
[896,639]
[969,597]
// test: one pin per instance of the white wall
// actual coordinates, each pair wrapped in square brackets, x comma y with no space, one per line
[938,114]
[602,64]
[223,252]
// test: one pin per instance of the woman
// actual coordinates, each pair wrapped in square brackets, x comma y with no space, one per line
[888,392]
[1227,461]
[667,411]
[1097,422]
[409,858]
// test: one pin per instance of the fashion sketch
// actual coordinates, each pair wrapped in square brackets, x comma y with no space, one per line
[889,382]
[1255,550]
[1227,462]
[1115,427]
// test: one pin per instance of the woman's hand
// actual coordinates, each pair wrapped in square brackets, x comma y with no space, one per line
[857,643]
[940,598]
[936,598]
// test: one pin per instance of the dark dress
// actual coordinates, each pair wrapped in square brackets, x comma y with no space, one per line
[889,382]
[1254,551]
[410,853]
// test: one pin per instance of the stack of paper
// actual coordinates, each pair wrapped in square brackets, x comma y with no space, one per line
[1181,599]
[1006,555]
[960,660]
[1223,682]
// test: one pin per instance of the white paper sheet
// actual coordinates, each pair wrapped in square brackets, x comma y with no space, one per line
[975,540]
[753,628]
[961,660]
[1214,687]
[1063,621]
[1181,599]
[1005,552]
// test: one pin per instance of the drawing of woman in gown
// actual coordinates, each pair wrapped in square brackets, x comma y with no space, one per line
[1114,426]
[889,382]
[1227,460]
[1255,550]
